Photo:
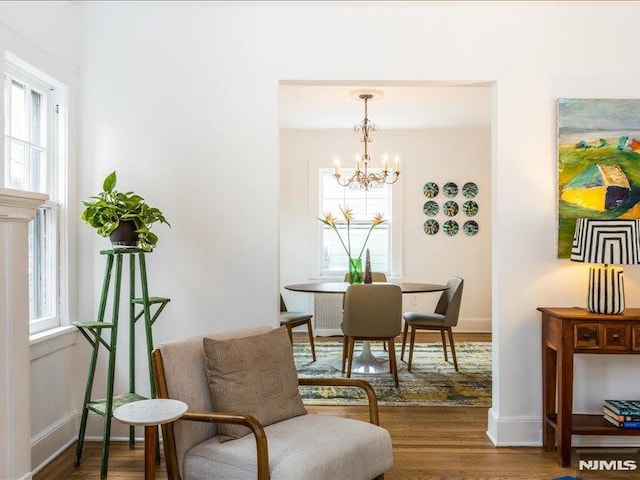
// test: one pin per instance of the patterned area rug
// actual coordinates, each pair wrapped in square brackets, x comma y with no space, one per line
[432,381]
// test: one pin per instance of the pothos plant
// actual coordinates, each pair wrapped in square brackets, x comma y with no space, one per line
[107,209]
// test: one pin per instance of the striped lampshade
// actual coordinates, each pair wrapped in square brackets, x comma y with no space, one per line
[608,242]
[612,242]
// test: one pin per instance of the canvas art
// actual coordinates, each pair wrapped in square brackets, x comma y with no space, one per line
[598,162]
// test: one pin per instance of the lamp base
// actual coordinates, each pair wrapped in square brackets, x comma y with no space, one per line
[606,290]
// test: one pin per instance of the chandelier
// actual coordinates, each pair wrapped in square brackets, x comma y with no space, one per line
[366,174]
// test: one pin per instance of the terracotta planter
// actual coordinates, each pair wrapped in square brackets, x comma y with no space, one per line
[125,235]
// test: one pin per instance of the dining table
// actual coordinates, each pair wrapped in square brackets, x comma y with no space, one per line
[366,362]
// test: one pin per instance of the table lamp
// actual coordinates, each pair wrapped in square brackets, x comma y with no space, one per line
[608,242]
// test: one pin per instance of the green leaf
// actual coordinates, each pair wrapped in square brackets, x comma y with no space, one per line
[110,182]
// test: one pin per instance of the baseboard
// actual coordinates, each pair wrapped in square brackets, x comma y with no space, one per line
[527,432]
[50,443]
[465,325]
[514,431]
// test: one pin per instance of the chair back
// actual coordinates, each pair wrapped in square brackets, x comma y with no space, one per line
[372,311]
[180,373]
[375,277]
[449,302]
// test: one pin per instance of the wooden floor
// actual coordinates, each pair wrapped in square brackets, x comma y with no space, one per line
[428,443]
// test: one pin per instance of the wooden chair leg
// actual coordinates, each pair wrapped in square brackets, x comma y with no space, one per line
[313,346]
[352,345]
[384,345]
[404,339]
[345,351]
[393,362]
[453,349]
[444,345]
[290,332]
[413,340]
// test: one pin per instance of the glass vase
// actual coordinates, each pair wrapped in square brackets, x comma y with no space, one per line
[355,270]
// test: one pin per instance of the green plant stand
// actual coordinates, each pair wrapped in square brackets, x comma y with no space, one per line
[94,332]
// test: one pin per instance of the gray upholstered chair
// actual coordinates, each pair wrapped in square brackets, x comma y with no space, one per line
[371,312]
[444,318]
[308,446]
[375,276]
[292,320]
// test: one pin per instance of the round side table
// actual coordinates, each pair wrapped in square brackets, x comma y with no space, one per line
[150,414]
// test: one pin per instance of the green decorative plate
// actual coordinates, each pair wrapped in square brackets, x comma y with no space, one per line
[470,190]
[431,227]
[470,227]
[450,189]
[470,208]
[431,208]
[431,190]
[450,227]
[450,208]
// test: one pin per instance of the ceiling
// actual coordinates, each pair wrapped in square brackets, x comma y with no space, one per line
[401,106]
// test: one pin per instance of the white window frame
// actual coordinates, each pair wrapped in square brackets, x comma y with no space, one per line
[56,186]
[395,269]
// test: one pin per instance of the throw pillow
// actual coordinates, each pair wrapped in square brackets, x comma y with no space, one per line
[255,376]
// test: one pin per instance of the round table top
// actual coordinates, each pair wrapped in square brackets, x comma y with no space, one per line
[154,411]
[341,287]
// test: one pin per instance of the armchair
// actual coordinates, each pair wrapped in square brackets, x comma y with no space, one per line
[308,446]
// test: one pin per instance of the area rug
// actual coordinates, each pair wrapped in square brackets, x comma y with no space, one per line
[432,381]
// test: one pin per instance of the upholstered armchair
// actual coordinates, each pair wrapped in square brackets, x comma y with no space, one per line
[306,446]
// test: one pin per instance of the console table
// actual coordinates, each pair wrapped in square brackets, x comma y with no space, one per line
[565,332]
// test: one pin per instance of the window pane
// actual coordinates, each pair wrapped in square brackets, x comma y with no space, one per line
[18,167]
[18,123]
[38,170]
[42,288]
[38,119]
[364,206]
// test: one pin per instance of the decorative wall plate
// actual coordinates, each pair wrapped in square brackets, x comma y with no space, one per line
[450,208]
[450,189]
[470,190]
[470,227]
[431,190]
[450,227]
[431,227]
[470,208]
[431,208]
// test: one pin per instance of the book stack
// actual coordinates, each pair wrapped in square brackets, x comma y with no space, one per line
[622,413]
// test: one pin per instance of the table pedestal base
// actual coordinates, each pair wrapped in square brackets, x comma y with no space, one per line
[366,363]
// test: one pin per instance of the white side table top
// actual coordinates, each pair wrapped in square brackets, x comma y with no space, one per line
[150,412]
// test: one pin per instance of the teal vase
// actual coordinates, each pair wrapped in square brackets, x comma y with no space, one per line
[355,270]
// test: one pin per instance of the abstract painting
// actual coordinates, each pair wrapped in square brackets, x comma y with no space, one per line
[598,162]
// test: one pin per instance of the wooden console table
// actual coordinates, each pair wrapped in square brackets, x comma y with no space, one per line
[565,332]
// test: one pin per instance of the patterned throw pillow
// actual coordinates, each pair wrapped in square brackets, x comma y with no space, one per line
[253,376]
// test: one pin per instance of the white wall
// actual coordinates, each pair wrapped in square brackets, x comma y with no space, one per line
[458,155]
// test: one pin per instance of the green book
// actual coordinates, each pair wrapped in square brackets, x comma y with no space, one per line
[623,407]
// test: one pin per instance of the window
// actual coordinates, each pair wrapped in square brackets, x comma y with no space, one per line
[33,160]
[364,205]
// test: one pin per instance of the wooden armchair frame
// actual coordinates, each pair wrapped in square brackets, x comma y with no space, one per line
[262,449]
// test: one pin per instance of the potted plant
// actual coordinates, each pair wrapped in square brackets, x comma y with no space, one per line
[124,217]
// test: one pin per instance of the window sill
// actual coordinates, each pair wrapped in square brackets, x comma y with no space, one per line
[52,340]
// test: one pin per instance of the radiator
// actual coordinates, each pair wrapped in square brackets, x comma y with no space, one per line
[327,314]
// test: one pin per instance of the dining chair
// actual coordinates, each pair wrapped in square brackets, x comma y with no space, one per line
[375,276]
[443,318]
[292,320]
[371,312]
